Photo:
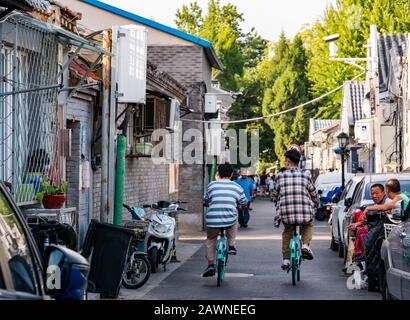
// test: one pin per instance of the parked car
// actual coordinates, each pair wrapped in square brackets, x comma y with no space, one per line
[362,199]
[326,184]
[339,211]
[395,264]
[25,273]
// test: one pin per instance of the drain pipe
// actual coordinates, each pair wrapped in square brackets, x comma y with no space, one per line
[120,173]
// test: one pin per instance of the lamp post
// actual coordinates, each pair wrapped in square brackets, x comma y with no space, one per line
[343,140]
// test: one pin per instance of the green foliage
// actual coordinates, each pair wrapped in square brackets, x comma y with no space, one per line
[48,188]
[287,87]
[275,77]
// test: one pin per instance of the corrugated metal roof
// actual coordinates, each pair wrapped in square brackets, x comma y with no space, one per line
[391,48]
[209,50]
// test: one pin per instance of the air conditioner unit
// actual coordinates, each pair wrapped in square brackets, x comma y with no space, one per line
[174,116]
[212,104]
[364,131]
[132,64]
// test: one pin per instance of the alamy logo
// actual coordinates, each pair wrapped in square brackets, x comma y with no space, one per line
[53,281]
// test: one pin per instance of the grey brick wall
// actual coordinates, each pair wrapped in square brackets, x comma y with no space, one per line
[184,63]
[145,183]
[189,66]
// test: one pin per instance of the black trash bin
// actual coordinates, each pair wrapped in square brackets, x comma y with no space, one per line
[109,247]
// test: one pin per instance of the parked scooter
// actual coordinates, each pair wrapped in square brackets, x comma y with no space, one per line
[160,238]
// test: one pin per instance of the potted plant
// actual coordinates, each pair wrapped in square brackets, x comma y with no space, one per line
[53,196]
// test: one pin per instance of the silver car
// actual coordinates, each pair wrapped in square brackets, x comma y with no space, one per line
[395,265]
[339,211]
[362,199]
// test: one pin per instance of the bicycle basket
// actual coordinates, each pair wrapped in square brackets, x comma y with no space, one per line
[140,228]
[388,229]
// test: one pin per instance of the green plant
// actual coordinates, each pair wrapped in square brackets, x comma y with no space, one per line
[48,188]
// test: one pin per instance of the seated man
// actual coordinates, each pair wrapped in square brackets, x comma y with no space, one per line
[361,225]
[223,196]
[394,193]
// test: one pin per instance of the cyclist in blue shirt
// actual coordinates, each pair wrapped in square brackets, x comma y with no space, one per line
[246,183]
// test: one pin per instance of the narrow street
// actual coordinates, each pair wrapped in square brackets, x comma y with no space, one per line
[255,272]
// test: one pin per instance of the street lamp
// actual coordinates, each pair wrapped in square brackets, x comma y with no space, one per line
[343,140]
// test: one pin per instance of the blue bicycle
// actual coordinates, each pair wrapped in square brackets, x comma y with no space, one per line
[221,257]
[295,255]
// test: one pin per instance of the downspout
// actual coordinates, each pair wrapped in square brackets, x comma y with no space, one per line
[120,173]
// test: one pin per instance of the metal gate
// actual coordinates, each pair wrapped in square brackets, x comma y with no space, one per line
[29,139]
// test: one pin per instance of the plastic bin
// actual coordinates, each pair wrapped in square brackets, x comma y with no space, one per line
[109,247]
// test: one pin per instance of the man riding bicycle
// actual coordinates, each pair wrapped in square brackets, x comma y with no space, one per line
[296,201]
[223,197]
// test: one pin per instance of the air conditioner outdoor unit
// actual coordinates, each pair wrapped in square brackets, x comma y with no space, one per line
[364,131]
[212,104]
[132,66]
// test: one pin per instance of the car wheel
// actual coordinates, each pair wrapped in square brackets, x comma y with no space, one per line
[372,284]
[384,288]
[333,244]
[341,250]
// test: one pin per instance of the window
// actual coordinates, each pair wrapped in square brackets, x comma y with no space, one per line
[346,190]
[143,120]
[15,250]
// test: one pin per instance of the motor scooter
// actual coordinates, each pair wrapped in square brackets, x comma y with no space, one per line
[161,234]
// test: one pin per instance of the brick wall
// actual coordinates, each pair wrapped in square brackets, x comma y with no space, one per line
[184,63]
[188,65]
[145,183]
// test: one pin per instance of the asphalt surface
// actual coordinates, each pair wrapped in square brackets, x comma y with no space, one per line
[255,272]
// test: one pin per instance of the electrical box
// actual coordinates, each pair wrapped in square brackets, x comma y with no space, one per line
[215,139]
[174,115]
[132,64]
[212,104]
[364,131]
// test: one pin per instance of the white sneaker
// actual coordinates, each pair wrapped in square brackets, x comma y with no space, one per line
[285,264]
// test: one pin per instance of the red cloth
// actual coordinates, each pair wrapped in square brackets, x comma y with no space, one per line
[358,243]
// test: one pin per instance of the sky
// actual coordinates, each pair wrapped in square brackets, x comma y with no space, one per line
[269,17]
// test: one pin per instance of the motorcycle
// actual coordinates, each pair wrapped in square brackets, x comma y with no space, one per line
[138,268]
[160,238]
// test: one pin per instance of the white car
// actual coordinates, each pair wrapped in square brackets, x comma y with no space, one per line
[339,211]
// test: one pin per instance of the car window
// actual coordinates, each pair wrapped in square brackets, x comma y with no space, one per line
[346,190]
[359,193]
[15,249]
[404,184]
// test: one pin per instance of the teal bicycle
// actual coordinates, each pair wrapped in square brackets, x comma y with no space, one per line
[295,255]
[221,257]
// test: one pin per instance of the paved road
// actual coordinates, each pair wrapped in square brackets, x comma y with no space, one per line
[255,272]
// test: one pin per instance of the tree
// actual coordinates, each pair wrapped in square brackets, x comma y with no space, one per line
[287,87]
[189,18]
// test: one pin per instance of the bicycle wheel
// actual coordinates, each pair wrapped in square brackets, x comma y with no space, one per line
[293,267]
[220,272]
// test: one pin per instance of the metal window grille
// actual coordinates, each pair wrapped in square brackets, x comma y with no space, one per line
[29,140]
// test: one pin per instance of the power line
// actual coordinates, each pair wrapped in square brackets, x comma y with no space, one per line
[279,113]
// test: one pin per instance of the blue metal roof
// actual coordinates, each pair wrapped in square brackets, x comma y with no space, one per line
[212,56]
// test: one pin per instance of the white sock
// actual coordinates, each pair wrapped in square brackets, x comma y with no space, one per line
[286,261]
